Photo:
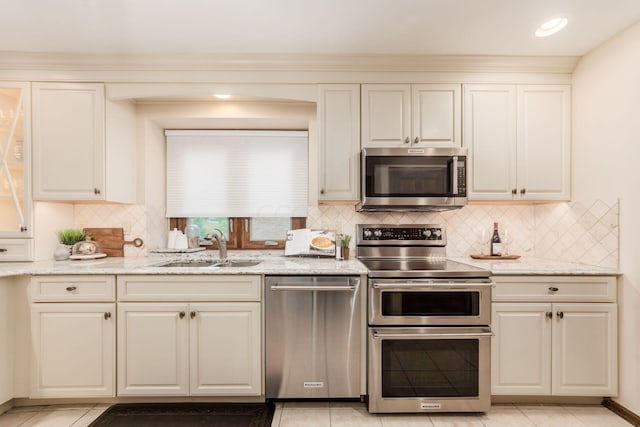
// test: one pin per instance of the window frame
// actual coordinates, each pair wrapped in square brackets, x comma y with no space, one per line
[240,233]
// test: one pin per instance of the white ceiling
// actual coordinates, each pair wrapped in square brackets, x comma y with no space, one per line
[316,27]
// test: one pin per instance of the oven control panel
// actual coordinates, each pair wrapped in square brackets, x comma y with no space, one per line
[425,234]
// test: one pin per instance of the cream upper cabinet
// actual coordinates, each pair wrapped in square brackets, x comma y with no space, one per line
[339,142]
[552,345]
[16,221]
[418,115]
[83,146]
[519,141]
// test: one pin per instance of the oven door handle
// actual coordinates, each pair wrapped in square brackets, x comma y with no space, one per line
[378,335]
[429,284]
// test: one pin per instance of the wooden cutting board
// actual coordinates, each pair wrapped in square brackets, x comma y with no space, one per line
[111,240]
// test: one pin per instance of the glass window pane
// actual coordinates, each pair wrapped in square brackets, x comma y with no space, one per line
[269,228]
[208,224]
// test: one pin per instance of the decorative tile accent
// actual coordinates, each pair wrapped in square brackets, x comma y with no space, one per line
[585,232]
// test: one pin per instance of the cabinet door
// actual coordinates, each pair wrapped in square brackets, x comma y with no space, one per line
[521,349]
[585,358]
[386,115]
[73,350]
[543,142]
[68,141]
[225,349]
[436,115]
[153,350]
[15,161]
[339,142]
[490,135]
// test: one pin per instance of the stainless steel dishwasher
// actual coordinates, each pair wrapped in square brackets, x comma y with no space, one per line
[313,337]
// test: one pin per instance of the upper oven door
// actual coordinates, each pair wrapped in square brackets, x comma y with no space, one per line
[413,174]
[429,302]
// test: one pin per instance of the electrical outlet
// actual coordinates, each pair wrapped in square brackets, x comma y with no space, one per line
[126,227]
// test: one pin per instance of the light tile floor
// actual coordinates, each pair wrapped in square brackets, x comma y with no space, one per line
[339,414]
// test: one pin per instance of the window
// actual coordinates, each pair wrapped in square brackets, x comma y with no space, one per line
[251,185]
[246,233]
[236,173]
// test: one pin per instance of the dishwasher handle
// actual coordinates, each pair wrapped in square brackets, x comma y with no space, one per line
[350,286]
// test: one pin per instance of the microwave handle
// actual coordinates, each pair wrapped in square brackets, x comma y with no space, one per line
[454,175]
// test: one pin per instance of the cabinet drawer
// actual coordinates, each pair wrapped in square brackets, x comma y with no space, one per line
[189,288]
[555,288]
[72,288]
[16,249]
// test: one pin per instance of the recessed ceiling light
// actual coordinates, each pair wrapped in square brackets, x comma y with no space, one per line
[222,95]
[552,26]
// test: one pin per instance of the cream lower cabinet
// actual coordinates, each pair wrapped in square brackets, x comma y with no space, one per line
[209,344]
[554,348]
[72,336]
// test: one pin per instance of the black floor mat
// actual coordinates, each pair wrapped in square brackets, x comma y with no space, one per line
[187,414]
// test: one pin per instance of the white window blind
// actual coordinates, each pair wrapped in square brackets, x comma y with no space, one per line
[236,173]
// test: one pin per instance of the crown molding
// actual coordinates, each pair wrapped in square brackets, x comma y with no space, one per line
[288,63]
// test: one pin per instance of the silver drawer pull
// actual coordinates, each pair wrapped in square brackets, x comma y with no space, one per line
[3,249]
[553,289]
[71,288]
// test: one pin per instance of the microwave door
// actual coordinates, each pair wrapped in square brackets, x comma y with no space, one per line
[407,180]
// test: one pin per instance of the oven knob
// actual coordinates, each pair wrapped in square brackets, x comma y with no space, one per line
[367,233]
[437,232]
[426,233]
[377,233]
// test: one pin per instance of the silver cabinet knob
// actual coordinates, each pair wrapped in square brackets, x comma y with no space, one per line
[107,315]
[407,140]
[416,140]
[182,314]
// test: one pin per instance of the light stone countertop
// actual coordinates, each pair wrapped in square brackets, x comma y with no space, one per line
[274,262]
[537,266]
[270,263]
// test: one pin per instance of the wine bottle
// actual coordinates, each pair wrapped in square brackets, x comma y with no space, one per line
[496,242]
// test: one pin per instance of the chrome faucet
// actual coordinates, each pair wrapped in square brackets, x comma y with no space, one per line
[220,239]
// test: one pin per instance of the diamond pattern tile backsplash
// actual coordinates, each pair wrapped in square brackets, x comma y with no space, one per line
[585,232]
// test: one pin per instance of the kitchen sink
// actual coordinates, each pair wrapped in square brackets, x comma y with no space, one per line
[239,263]
[212,263]
[189,264]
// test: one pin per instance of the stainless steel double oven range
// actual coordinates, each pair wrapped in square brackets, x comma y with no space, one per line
[429,334]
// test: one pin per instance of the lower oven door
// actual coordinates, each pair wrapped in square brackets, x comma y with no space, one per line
[436,369]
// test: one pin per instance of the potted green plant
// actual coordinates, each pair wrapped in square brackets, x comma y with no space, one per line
[346,239]
[67,238]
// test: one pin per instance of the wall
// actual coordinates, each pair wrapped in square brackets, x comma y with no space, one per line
[606,131]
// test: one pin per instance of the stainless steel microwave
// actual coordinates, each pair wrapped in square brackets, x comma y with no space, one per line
[413,179]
